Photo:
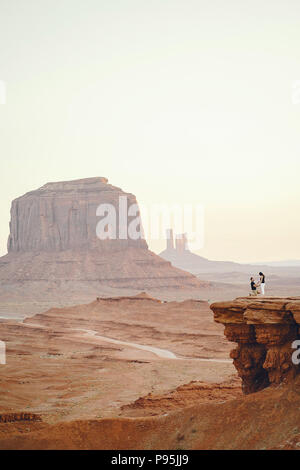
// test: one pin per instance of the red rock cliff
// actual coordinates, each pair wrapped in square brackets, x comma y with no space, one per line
[264,330]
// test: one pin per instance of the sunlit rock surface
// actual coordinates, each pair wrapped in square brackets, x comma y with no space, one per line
[54,250]
[264,330]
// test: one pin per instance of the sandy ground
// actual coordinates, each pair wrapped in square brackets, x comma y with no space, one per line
[63,366]
[268,419]
[134,373]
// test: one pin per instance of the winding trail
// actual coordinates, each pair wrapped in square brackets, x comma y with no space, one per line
[163,353]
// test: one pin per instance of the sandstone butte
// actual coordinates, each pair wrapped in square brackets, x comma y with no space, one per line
[54,252]
[267,416]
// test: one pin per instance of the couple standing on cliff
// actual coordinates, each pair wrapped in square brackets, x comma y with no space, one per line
[260,284]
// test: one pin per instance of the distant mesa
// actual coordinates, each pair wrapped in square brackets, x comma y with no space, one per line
[62,216]
[53,247]
[181,243]
[179,254]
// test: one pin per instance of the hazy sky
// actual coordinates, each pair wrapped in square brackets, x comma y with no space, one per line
[173,100]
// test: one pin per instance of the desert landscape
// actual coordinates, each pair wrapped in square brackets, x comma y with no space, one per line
[103,357]
[162,379]
[228,279]
[81,366]
[149,231]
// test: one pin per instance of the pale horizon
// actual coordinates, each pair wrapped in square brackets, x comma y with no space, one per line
[170,101]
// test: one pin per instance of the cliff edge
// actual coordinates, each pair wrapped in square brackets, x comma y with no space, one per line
[264,329]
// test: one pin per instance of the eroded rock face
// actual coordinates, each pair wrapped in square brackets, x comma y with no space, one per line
[264,330]
[63,216]
[54,249]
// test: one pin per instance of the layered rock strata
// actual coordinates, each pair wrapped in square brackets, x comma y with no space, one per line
[264,330]
[54,247]
[64,215]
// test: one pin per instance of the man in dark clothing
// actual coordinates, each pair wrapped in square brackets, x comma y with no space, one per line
[253,286]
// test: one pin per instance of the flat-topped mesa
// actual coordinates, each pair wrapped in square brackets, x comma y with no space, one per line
[83,238]
[264,329]
[63,215]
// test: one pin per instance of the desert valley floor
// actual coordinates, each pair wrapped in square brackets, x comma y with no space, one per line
[134,373]
[93,361]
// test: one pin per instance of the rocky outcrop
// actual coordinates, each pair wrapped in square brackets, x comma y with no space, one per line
[63,216]
[264,330]
[55,251]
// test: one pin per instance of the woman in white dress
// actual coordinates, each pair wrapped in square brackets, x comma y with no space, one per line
[262,283]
